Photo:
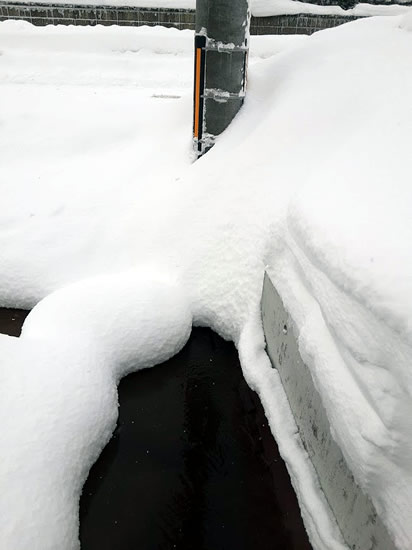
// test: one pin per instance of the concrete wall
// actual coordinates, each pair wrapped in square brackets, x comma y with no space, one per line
[356,516]
[69,14]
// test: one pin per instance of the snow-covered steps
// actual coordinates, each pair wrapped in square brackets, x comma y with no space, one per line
[355,514]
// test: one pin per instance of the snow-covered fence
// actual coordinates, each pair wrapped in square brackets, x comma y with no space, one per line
[301,23]
[78,14]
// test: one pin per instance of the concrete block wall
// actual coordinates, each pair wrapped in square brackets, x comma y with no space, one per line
[72,14]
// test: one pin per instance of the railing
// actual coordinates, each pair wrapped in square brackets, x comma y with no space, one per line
[75,14]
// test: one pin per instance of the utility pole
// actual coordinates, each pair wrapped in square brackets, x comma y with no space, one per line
[221,53]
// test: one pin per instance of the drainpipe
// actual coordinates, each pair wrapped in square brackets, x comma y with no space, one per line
[221,51]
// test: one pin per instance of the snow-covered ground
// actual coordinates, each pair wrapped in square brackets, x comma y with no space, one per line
[124,242]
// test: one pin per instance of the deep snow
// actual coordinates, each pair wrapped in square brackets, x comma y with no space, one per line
[62,398]
[311,181]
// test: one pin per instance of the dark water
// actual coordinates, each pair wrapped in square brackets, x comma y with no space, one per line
[192,464]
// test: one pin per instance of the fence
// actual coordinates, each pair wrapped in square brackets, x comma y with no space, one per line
[74,14]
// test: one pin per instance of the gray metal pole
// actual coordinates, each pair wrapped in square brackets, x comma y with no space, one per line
[221,51]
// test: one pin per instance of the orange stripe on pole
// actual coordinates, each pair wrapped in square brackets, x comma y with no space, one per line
[197,91]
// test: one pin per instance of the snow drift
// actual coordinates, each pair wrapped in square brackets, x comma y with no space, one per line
[59,402]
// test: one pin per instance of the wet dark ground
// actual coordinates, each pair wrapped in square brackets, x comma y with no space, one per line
[192,464]
[11,321]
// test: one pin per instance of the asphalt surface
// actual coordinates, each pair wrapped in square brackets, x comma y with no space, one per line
[11,321]
[192,464]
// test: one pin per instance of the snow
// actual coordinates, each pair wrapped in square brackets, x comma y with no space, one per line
[350,237]
[123,242]
[76,345]
[345,271]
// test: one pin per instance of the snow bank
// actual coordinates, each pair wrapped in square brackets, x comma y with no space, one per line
[107,186]
[58,403]
[350,234]
[345,273]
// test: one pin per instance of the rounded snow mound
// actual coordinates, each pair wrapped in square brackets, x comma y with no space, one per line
[75,346]
[136,319]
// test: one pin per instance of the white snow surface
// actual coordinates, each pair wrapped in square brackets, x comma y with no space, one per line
[123,242]
[59,400]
